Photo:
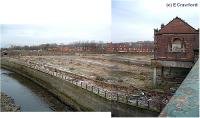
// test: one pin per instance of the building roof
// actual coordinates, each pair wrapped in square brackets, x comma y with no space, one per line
[177,25]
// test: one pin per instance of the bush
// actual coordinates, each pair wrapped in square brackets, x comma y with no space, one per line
[71,69]
[99,78]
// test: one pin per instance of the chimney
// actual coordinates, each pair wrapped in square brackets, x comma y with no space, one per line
[155,31]
[162,25]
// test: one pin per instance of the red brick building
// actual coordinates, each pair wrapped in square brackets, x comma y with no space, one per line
[60,49]
[136,47]
[117,47]
[86,48]
[175,45]
[142,47]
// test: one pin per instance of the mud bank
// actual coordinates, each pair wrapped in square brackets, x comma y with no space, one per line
[8,103]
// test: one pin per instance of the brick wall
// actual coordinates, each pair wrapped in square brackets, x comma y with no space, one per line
[162,43]
[176,29]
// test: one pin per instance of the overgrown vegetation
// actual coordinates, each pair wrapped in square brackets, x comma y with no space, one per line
[99,78]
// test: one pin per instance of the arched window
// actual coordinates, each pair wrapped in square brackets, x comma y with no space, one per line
[177,45]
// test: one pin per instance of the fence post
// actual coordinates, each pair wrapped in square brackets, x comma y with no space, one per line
[92,88]
[137,101]
[105,94]
[75,82]
[117,97]
[81,84]
[126,99]
[148,104]
[98,91]
[86,87]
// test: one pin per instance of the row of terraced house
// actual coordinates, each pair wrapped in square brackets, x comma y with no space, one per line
[126,47]
[140,47]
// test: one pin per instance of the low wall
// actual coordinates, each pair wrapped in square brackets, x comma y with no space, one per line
[74,96]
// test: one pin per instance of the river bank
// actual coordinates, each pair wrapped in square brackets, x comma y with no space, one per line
[75,96]
[30,96]
[8,103]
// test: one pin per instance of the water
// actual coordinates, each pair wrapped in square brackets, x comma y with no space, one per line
[29,95]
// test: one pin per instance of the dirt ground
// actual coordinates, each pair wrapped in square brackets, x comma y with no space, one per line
[126,70]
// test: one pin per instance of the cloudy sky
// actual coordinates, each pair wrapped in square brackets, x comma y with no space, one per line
[134,20]
[64,21]
[16,34]
[33,22]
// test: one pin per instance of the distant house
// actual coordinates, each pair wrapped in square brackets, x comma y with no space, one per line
[136,47]
[117,47]
[141,47]
[110,48]
[87,47]
[63,49]
[175,45]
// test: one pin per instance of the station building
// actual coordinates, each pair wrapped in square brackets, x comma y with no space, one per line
[176,46]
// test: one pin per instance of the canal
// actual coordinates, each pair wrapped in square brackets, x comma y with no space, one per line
[28,94]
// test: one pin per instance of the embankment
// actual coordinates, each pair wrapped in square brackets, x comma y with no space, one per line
[78,98]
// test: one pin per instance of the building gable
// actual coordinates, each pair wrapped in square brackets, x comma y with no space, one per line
[177,25]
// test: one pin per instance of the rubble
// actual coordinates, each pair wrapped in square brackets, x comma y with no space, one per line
[113,86]
[93,66]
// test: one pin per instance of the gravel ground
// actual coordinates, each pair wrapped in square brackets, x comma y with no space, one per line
[8,104]
[93,66]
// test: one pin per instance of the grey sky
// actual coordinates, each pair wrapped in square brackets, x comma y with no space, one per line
[40,34]
[132,20]
[33,22]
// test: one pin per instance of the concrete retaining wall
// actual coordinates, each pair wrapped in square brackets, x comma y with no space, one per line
[78,98]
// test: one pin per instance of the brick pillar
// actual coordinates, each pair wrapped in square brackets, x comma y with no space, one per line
[154,76]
